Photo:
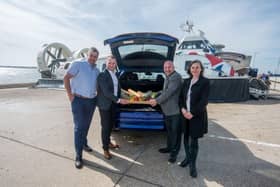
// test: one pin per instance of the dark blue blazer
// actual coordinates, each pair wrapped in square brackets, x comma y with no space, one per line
[105,91]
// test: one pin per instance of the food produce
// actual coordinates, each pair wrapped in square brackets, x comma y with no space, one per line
[132,92]
[138,96]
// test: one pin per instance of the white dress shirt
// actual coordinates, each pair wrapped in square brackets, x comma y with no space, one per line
[115,82]
[188,102]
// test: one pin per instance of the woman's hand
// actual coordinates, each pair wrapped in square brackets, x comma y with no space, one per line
[183,110]
[189,115]
[186,114]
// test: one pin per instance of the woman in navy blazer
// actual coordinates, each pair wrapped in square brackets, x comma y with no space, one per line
[193,102]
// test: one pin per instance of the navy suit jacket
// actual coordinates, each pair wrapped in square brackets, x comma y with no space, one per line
[105,91]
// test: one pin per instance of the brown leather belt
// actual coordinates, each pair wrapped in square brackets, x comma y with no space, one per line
[80,96]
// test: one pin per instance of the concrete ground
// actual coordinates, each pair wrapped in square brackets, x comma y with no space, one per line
[242,147]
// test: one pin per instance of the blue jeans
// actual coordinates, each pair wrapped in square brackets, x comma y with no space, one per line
[82,110]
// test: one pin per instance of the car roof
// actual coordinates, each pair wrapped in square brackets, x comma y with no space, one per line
[145,35]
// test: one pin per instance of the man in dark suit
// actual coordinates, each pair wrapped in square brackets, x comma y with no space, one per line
[108,92]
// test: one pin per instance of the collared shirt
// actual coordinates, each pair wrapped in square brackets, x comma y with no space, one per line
[166,81]
[85,77]
[188,102]
[115,82]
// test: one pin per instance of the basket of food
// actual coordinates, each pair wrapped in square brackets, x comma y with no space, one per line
[138,97]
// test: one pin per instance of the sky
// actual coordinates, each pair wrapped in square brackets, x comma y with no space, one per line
[246,26]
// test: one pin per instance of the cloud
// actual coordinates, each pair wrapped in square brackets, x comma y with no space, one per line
[24,31]
[243,26]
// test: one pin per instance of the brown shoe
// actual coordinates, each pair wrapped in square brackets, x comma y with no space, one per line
[107,155]
[113,146]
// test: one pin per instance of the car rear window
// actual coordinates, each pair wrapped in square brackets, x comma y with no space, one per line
[126,50]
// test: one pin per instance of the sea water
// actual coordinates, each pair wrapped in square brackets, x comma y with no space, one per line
[16,75]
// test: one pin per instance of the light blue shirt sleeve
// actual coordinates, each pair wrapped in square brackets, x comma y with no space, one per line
[74,69]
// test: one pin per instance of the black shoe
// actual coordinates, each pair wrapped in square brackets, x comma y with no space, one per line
[79,163]
[164,150]
[172,160]
[87,148]
[184,163]
[193,172]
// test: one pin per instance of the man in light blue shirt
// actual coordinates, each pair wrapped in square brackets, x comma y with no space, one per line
[80,84]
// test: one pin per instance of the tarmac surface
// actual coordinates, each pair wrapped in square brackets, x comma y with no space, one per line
[242,147]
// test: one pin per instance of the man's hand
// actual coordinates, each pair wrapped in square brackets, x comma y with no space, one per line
[67,86]
[71,97]
[152,102]
[124,101]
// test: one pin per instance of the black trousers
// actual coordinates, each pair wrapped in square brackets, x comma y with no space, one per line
[108,119]
[173,127]
[190,144]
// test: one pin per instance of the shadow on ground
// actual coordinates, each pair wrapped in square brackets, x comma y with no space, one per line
[220,162]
